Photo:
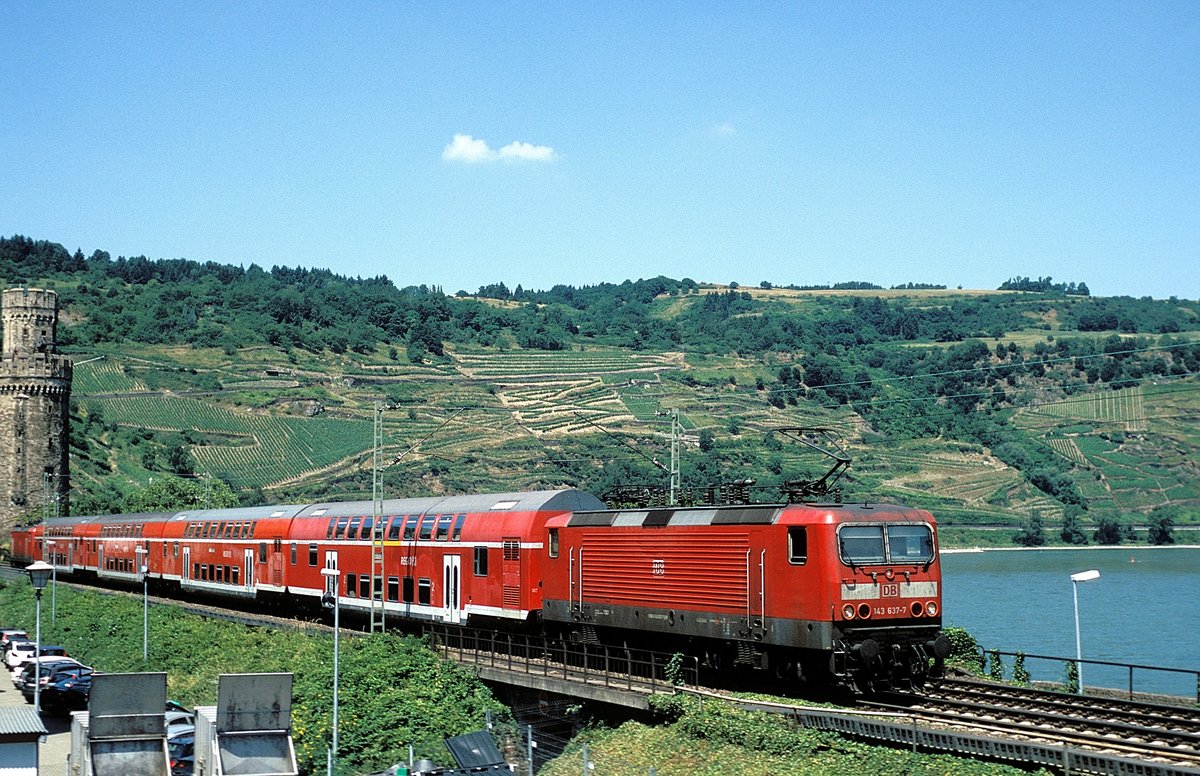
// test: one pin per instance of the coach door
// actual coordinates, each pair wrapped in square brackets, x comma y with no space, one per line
[100,558]
[185,573]
[451,589]
[331,581]
[248,569]
[510,574]
[71,556]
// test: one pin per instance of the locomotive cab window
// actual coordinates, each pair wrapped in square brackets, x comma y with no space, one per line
[797,545]
[910,543]
[861,545]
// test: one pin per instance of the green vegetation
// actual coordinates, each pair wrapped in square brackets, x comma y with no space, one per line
[988,408]
[393,691]
[712,737]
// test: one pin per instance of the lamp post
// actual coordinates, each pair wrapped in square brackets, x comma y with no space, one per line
[331,583]
[39,574]
[53,582]
[142,554]
[1082,576]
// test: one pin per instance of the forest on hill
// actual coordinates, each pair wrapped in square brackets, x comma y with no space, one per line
[1036,400]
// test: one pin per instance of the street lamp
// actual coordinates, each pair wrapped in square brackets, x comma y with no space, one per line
[331,584]
[39,574]
[141,553]
[1082,576]
[53,582]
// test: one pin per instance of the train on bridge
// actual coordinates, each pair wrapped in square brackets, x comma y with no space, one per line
[830,593]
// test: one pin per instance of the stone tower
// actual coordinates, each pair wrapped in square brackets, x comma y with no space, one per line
[35,392]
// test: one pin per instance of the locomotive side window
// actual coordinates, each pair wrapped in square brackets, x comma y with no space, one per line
[910,543]
[424,590]
[481,561]
[798,545]
[553,542]
[458,525]
[861,545]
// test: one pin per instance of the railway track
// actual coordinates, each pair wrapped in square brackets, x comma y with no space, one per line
[1153,732]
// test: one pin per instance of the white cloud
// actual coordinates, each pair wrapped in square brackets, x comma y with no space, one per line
[724,129]
[471,150]
[533,153]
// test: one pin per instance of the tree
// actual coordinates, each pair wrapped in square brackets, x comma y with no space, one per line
[171,494]
[1032,534]
[1108,530]
[1160,529]
[707,440]
[1071,532]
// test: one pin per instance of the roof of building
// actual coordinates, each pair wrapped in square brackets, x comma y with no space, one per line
[21,721]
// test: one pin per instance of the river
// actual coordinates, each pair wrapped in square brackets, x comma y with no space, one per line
[1144,609]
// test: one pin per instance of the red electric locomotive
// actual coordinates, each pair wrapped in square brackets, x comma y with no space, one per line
[812,590]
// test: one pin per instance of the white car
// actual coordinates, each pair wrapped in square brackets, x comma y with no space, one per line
[18,652]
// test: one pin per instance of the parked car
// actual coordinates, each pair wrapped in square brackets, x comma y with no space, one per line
[53,673]
[19,650]
[8,634]
[38,668]
[69,693]
[181,750]
[50,651]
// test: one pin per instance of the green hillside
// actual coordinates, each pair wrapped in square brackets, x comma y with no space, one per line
[987,407]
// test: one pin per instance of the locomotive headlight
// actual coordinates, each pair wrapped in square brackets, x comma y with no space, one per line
[848,611]
[917,609]
[931,608]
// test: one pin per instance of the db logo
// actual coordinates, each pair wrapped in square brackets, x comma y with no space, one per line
[889,590]
[658,567]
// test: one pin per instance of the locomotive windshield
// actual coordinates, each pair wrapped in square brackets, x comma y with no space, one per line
[864,545]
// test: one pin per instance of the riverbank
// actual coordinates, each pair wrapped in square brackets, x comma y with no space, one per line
[1127,547]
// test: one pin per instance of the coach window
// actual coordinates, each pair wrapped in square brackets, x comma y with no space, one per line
[351,585]
[424,591]
[293,553]
[176,549]
[312,555]
[408,590]
[165,548]
[329,531]
[393,532]
[553,542]
[393,589]
[798,545]
[352,531]
[426,527]
[367,526]
[364,586]
[458,525]
[262,552]
[410,527]
[341,527]
[481,556]
[443,527]
[235,575]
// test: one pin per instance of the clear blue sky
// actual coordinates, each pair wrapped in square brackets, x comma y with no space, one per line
[459,144]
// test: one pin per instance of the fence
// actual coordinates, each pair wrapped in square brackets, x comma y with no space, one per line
[986,659]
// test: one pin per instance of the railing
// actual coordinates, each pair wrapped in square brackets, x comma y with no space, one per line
[1129,667]
[635,670]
